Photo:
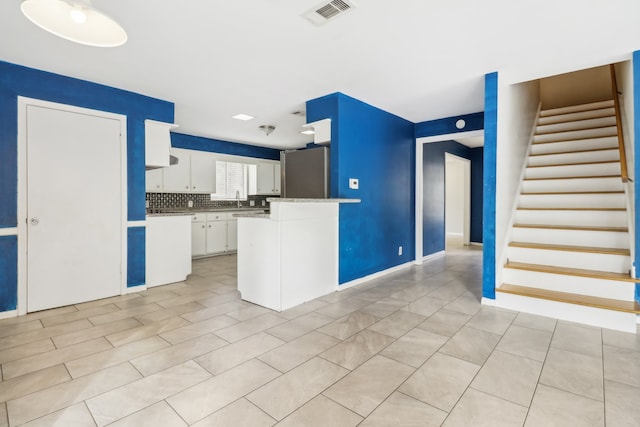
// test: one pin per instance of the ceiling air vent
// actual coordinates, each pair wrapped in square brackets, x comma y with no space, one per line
[325,12]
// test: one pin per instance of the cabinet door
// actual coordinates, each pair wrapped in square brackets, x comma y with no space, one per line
[203,173]
[216,236]
[198,238]
[264,173]
[154,180]
[276,178]
[232,235]
[177,177]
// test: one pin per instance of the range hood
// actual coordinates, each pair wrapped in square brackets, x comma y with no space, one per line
[157,143]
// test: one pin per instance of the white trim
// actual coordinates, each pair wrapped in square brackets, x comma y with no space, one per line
[23,103]
[141,223]
[376,275]
[134,289]
[433,256]
[11,231]
[489,302]
[419,185]
[475,244]
[638,319]
[466,208]
[450,136]
[8,314]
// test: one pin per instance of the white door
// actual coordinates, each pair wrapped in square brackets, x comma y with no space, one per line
[74,207]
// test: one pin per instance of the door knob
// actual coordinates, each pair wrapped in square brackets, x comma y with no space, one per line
[34,221]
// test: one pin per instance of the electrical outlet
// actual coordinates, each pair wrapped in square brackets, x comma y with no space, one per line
[252,202]
[353,183]
[190,203]
[399,250]
[264,203]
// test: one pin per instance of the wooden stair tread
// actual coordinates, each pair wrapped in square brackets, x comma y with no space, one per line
[587,249]
[574,227]
[566,297]
[572,152]
[595,274]
[571,209]
[573,177]
[575,139]
[548,193]
[574,164]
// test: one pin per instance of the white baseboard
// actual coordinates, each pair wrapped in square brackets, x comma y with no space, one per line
[356,282]
[488,301]
[8,314]
[454,235]
[134,289]
[11,231]
[434,255]
[475,243]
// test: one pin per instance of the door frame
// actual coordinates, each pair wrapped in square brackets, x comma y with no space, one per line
[23,103]
[466,189]
[419,185]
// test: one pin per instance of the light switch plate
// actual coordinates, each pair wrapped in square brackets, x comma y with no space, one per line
[353,183]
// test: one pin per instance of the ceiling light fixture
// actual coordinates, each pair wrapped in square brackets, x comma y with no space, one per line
[267,129]
[75,20]
[244,117]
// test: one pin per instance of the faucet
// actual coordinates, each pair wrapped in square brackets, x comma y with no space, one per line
[238,198]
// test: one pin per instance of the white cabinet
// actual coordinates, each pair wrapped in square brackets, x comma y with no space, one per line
[232,234]
[157,143]
[213,233]
[268,178]
[203,173]
[154,180]
[168,254]
[177,178]
[194,173]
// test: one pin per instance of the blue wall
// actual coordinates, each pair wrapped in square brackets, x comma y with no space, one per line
[181,140]
[489,190]
[17,81]
[447,125]
[378,148]
[433,163]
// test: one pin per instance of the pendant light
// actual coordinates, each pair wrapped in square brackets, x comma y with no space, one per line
[75,20]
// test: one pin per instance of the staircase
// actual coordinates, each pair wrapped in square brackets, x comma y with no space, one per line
[569,257]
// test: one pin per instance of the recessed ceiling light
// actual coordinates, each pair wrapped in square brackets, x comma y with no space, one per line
[244,117]
[307,132]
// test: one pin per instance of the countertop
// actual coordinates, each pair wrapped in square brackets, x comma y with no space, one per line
[192,211]
[278,199]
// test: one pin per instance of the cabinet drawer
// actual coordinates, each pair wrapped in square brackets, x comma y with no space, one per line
[217,216]
[198,217]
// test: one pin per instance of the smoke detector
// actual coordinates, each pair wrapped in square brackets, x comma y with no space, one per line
[327,11]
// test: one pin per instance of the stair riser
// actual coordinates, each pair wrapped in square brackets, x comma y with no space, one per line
[601,169]
[578,134]
[581,218]
[579,145]
[610,319]
[577,108]
[616,200]
[599,239]
[573,185]
[583,115]
[584,260]
[587,156]
[576,125]
[611,289]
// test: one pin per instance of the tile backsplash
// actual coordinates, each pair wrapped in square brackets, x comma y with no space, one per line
[162,201]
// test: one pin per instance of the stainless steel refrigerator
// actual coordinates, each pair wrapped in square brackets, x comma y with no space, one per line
[305,173]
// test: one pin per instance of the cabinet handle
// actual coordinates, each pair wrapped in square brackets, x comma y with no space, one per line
[194,187]
[209,226]
[187,187]
[203,226]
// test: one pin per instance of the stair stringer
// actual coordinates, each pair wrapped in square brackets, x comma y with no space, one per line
[500,262]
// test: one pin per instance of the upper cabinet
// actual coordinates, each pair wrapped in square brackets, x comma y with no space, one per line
[177,178]
[268,178]
[157,143]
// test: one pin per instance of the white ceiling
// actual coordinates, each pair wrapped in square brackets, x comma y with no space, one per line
[472,141]
[418,59]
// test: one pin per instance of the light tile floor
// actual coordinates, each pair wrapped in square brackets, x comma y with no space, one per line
[414,348]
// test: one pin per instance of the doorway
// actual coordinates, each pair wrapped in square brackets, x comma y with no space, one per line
[72,205]
[457,201]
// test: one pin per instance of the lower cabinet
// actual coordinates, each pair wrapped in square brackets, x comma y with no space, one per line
[213,233]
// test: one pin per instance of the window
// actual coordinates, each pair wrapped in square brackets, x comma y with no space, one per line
[231,181]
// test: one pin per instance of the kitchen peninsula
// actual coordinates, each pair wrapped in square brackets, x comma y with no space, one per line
[289,256]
